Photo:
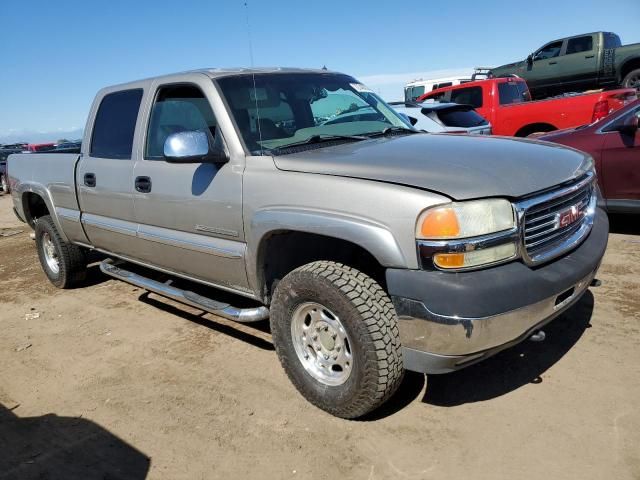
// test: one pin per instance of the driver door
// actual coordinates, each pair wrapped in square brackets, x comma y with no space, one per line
[621,166]
[544,70]
[189,215]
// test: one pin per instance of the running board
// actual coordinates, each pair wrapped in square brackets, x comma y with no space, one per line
[243,315]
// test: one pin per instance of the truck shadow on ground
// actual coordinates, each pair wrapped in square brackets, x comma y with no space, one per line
[520,365]
[53,447]
[625,224]
[200,319]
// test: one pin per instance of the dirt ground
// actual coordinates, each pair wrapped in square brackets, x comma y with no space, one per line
[105,381]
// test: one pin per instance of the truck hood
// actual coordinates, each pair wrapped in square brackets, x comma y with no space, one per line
[458,166]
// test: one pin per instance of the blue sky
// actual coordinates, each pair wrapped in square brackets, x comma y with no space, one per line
[57,54]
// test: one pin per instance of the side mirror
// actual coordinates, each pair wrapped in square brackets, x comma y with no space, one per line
[194,147]
[408,119]
[530,59]
[629,126]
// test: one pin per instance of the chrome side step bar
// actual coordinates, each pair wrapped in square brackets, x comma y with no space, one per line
[243,315]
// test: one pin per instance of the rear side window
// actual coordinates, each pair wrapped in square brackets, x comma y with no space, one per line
[611,40]
[115,124]
[469,96]
[580,44]
[442,85]
[461,118]
[512,92]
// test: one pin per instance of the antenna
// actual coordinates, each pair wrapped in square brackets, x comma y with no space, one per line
[253,74]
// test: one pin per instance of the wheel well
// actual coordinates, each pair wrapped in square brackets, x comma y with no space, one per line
[34,207]
[285,251]
[535,127]
[628,66]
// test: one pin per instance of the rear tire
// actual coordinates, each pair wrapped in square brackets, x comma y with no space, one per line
[64,263]
[339,302]
[632,79]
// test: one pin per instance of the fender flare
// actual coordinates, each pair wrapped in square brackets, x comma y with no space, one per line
[42,192]
[633,58]
[372,236]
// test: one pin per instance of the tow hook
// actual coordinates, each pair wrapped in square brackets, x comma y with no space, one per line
[539,336]
[596,283]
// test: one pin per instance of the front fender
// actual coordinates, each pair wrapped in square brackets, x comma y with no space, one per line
[372,236]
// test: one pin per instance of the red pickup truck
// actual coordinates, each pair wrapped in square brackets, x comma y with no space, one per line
[506,103]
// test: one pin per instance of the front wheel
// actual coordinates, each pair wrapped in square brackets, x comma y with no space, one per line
[336,334]
[632,79]
[64,263]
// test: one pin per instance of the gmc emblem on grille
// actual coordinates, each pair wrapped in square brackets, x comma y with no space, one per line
[567,217]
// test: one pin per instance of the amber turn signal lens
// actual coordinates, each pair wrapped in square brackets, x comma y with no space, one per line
[440,223]
[449,260]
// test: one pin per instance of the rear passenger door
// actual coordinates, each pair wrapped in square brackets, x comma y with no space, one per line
[105,171]
[579,63]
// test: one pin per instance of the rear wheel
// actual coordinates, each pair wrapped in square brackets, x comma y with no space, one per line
[336,334]
[62,262]
[632,79]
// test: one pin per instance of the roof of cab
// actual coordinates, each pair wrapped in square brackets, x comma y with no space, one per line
[214,73]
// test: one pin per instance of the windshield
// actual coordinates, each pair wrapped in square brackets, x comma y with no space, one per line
[286,109]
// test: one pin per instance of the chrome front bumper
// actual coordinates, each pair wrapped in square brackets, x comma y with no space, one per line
[450,320]
[459,336]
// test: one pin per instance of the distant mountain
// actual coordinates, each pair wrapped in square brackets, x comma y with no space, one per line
[32,136]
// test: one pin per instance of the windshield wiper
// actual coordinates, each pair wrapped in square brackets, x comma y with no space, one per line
[319,138]
[391,130]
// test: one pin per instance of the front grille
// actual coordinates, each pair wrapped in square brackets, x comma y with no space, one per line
[555,218]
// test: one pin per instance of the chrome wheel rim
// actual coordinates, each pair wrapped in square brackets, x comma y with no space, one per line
[4,184]
[50,254]
[321,343]
[634,82]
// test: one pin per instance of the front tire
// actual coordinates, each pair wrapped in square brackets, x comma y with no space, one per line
[632,79]
[336,334]
[64,263]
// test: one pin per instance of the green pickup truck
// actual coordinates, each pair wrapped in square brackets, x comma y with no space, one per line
[582,62]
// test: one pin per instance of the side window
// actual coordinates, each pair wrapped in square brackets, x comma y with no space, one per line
[441,97]
[177,108]
[115,125]
[611,40]
[510,92]
[580,44]
[470,96]
[551,50]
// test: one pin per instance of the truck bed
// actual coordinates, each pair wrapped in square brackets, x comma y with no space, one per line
[51,175]
[558,112]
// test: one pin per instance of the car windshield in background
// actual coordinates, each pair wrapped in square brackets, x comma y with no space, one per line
[463,118]
[276,111]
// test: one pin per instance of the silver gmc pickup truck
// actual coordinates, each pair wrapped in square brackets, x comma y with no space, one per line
[372,247]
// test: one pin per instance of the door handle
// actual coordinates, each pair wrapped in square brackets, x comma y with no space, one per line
[143,184]
[553,63]
[589,56]
[90,179]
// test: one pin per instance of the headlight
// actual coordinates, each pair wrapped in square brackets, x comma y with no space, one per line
[465,219]
[586,166]
[465,235]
